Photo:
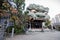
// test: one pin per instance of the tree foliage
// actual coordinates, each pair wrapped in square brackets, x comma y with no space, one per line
[15,13]
[20,17]
[48,23]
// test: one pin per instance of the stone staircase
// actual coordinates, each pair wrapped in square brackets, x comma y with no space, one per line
[38,30]
[34,30]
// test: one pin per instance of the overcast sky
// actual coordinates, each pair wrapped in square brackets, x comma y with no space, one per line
[53,5]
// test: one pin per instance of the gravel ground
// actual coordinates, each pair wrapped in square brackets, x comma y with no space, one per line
[52,35]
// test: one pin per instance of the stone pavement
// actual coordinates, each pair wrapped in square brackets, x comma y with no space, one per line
[54,35]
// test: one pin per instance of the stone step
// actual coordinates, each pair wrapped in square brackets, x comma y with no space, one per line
[38,30]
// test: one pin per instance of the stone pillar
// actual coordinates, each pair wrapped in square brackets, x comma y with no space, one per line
[51,26]
[43,24]
[12,32]
[30,25]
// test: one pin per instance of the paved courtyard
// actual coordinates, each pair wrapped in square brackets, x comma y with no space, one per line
[54,35]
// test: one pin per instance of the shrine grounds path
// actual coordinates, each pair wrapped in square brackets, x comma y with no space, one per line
[52,35]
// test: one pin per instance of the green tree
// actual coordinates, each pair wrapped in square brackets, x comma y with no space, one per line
[48,23]
[20,7]
[18,18]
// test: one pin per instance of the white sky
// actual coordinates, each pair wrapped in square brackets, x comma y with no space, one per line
[53,5]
